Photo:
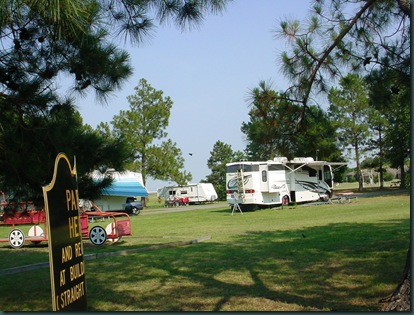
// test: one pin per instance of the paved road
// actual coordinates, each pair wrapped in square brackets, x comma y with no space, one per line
[161,210]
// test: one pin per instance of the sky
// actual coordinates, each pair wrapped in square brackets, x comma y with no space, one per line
[208,73]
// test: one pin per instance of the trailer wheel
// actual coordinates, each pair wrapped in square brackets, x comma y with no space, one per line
[36,230]
[16,238]
[112,232]
[97,235]
[285,200]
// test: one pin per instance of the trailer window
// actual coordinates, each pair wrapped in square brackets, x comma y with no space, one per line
[264,176]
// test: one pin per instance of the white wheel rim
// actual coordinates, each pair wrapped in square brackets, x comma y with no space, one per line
[97,235]
[16,238]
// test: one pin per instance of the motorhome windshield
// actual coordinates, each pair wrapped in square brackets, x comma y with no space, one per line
[327,172]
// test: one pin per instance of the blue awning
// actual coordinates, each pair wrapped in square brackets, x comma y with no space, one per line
[126,188]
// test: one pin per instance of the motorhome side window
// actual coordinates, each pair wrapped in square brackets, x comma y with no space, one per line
[276,167]
[244,167]
[264,176]
[183,192]
[313,173]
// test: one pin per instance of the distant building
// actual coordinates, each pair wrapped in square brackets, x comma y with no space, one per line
[126,184]
[370,176]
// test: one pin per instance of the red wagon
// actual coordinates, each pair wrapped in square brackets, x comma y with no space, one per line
[119,226]
[24,213]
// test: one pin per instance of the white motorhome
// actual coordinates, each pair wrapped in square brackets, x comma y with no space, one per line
[279,181]
[196,193]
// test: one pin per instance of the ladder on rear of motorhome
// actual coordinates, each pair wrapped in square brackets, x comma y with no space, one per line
[240,185]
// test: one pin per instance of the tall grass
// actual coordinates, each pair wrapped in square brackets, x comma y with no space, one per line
[341,257]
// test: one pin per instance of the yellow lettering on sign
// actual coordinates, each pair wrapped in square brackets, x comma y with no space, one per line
[78,249]
[71,295]
[56,302]
[72,201]
[67,198]
[76,271]
[62,277]
[73,227]
[66,253]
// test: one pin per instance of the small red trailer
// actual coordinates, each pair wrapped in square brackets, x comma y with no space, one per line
[119,226]
[24,213]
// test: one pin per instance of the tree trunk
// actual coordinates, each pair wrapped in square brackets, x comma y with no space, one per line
[144,176]
[402,167]
[358,166]
[400,298]
[381,158]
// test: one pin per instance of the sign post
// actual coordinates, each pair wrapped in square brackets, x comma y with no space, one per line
[67,269]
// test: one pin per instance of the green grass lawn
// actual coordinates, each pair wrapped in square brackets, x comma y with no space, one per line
[342,257]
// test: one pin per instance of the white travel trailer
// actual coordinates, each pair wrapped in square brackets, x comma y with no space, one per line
[196,193]
[254,185]
[127,187]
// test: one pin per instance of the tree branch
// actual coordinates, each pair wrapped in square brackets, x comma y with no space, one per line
[334,44]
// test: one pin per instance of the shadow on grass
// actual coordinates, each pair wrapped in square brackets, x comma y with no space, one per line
[340,266]
[344,267]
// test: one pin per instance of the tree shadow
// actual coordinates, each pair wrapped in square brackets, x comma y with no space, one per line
[342,266]
[301,268]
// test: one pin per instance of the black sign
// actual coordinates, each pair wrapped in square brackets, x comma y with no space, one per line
[67,269]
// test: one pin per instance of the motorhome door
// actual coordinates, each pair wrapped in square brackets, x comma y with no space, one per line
[327,174]
[264,178]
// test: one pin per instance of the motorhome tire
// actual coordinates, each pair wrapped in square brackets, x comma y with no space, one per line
[135,210]
[285,200]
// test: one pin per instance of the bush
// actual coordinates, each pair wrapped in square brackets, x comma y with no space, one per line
[408,180]
[388,176]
